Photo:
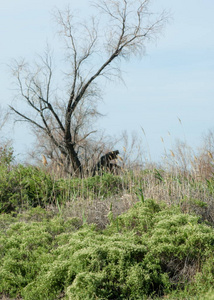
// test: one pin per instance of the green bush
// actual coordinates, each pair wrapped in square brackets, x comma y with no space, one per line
[89,265]
[25,186]
[25,248]
[151,251]
[37,187]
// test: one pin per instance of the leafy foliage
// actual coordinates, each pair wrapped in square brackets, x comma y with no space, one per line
[24,186]
[150,251]
[25,248]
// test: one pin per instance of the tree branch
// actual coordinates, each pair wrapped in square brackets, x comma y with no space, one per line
[27,119]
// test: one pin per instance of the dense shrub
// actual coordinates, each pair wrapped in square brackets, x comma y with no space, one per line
[25,247]
[23,186]
[37,186]
[150,251]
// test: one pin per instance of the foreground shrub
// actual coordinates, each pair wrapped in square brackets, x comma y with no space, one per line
[25,247]
[89,265]
[150,251]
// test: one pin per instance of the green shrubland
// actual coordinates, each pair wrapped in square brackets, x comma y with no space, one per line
[152,250]
[54,246]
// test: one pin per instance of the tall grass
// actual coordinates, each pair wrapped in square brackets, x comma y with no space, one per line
[184,178]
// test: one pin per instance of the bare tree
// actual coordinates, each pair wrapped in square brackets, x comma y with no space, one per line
[92,49]
[90,151]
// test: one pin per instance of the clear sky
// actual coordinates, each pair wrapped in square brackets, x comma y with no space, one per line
[174,80]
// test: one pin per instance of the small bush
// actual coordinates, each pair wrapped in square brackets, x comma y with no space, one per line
[37,187]
[23,187]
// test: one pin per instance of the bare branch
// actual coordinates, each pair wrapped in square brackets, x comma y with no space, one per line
[25,118]
[65,114]
[86,135]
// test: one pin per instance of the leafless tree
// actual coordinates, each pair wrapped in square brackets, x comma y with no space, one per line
[92,50]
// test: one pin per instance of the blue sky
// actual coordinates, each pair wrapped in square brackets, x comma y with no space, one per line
[173,80]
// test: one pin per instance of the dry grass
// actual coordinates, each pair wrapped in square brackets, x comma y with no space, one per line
[96,211]
[184,177]
[175,187]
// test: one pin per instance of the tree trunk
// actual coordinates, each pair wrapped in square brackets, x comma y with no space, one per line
[76,164]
